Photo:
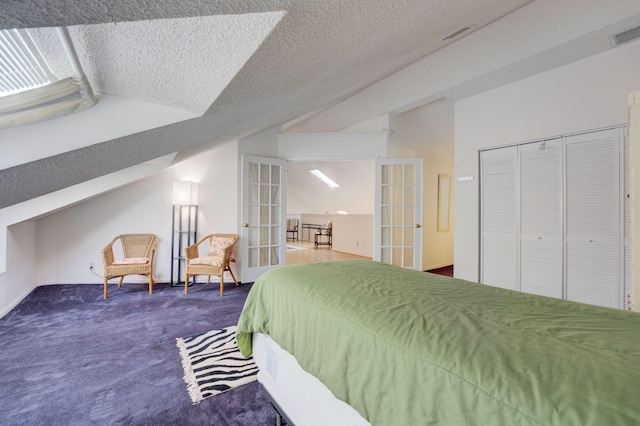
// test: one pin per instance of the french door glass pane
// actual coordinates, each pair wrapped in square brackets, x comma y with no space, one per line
[275,175]
[253,215]
[409,174]
[275,235]
[264,215]
[398,172]
[264,256]
[408,194]
[397,236]
[408,258]
[253,193]
[264,235]
[386,195]
[398,194]
[386,216]
[396,256]
[264,194]
[408,236]
[254,236]
[385,255]
[386,236]
[275,215]
[253,257]
[409,215]
[264,173]
[275,194]
[397,216]
[386,174]
[253,172]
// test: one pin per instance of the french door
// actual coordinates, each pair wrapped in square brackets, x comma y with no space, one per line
[264,189]
[398,212]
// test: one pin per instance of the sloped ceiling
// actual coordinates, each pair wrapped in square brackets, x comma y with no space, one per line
[232,68]
[307,194]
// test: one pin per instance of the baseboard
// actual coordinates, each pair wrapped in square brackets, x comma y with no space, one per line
[16,302]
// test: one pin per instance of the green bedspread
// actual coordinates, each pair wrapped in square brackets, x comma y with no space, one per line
[410,348]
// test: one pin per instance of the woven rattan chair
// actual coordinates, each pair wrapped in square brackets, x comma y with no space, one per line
[216,262]
[138,251]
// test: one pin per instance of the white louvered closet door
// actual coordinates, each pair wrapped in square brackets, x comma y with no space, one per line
[626,302]
[593,219]
[541,218]
[499,205]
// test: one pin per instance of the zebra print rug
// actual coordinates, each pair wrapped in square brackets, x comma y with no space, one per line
[213,364]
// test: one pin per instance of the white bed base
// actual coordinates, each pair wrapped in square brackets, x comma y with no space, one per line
[304,400]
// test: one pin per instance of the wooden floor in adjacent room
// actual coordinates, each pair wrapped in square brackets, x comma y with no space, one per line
[310,253]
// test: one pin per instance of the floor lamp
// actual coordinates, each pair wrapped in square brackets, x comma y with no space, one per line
[184,226]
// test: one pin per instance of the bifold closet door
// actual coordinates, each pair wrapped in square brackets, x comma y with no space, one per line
[541,218]
[593,219]
[499,227]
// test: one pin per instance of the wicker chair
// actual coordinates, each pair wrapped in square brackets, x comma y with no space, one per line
[216,262]
[138,250]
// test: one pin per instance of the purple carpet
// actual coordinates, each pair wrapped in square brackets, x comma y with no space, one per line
[69,357]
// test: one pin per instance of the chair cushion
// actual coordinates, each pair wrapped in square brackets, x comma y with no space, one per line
[207,260]
[218,244]
[131,261]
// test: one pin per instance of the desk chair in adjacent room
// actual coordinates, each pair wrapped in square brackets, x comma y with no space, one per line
[324,236]
[292,228]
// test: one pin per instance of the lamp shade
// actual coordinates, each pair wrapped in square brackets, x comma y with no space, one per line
[185,193]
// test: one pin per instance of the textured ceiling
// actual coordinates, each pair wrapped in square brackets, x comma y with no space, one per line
[183,63]
[245,65]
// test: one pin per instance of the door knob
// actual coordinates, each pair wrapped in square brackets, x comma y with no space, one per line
[246,225]
[418,225]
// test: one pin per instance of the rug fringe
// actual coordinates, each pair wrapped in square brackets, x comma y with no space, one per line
[189,376]
[213,364]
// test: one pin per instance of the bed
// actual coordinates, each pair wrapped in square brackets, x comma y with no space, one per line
[405,347]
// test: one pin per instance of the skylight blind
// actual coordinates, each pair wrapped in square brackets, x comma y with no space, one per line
[22,66]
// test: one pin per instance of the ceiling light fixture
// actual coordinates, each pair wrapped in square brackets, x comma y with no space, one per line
[342,212]
[326,179]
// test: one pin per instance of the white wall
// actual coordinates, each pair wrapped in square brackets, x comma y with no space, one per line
[67,241]
[353,233]
[588,94]
[427,132]
[19,278]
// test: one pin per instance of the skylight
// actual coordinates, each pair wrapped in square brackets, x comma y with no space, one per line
[22,66]
[326,179]
[29,90]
